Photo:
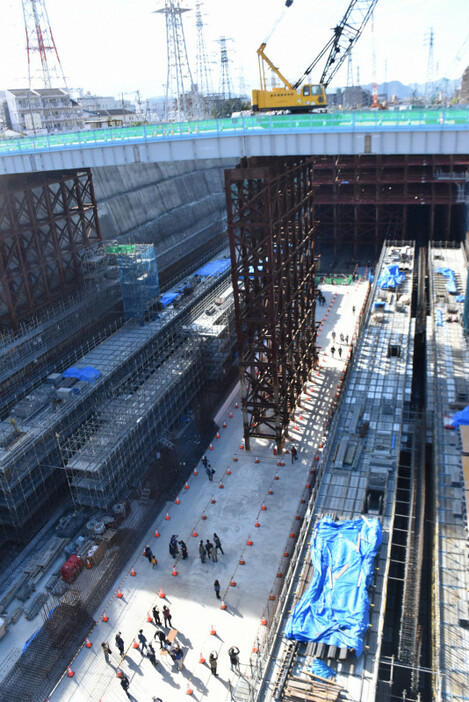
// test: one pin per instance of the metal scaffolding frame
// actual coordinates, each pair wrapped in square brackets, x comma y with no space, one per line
[271,229]
[136,366]
[44,223]
[363,199]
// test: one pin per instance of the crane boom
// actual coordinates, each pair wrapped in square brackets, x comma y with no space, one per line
[346,34]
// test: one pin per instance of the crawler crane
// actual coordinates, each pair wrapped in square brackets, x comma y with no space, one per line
[304,96]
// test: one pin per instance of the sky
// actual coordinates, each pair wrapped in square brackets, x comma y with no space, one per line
[110,47]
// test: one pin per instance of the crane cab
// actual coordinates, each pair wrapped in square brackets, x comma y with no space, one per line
[306,98]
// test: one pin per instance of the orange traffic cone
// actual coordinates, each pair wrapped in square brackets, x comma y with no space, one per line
[233,583]
[213,500]
[149,617]
[218,435]
[223,605]
[105,618]
[230,415]
[263,508]
[276,477]
[242,561]
[119,594]
[204,517]
[236,405]
[195,471]
[212,631]
[88,643]
[235,458]
[132,572]
[249,541]
[174,571]
[194,533]
[241,446]
[201,658]
[186,486]
[210,448]
[177,500]
[257,460]
[135,644]
[263,621]
[256,525]
[224,425]
[167,517]
[161,593]
[228,472]
[157,533]
[221,486]
[118,673]
[70,672]
[189,690]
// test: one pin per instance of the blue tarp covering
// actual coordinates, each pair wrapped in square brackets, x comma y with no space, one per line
[167,298]
[439,318]
[461,417]
[460,298]
[391,277]
[214,268]
[88,373]
[322,669]
[335,608]
[449,274]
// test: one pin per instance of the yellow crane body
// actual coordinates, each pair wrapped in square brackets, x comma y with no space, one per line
[303,99]
[306,98]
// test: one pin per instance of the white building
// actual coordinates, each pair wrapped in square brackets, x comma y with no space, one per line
[42,111]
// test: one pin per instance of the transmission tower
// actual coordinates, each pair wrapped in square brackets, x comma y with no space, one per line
[181,97]
[40,43]
[430,67]
[225,82]
[204,73]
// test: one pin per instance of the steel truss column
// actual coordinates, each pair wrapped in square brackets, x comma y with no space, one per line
[271,231]
[44,223]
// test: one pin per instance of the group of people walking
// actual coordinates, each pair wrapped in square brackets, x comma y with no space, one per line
[210,550]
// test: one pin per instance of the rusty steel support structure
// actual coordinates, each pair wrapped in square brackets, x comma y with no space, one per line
[361,200]
[271,230]
[45,220]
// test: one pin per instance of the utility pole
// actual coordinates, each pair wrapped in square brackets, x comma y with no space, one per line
[204,73]
[40,42]
[225,81]
[181,97]
[430,68]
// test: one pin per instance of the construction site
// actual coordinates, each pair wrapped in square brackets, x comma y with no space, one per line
[271,350]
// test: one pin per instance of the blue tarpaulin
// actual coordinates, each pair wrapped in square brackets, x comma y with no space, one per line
[335,608]
[461,417]
[460,298]
[391,277]
[214,268]
[439,318]
[451,280]
[322,669]
[88,373]
[169,297]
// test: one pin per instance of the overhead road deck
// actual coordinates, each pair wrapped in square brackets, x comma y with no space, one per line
[383,132]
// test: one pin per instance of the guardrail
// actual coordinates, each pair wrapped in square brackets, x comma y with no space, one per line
[382,120]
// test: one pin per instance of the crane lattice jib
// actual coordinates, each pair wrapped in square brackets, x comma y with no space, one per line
[340,44]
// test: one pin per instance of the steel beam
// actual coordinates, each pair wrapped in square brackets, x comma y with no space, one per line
[271,230]
[45,220]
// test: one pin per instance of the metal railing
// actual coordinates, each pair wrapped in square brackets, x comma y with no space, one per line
[435,120]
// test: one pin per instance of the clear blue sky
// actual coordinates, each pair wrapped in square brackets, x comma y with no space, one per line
[114,46]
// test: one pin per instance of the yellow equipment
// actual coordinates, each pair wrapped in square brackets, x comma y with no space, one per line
[304,99]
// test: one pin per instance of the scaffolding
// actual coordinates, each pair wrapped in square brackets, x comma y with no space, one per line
[271,229]
[138,275]
[44,223]
[63,422]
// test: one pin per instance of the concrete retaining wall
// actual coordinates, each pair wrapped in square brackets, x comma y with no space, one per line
[179,207]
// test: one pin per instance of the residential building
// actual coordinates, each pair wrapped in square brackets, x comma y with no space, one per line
[41,111]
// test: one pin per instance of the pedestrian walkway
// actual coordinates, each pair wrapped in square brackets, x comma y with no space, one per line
[252,504]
